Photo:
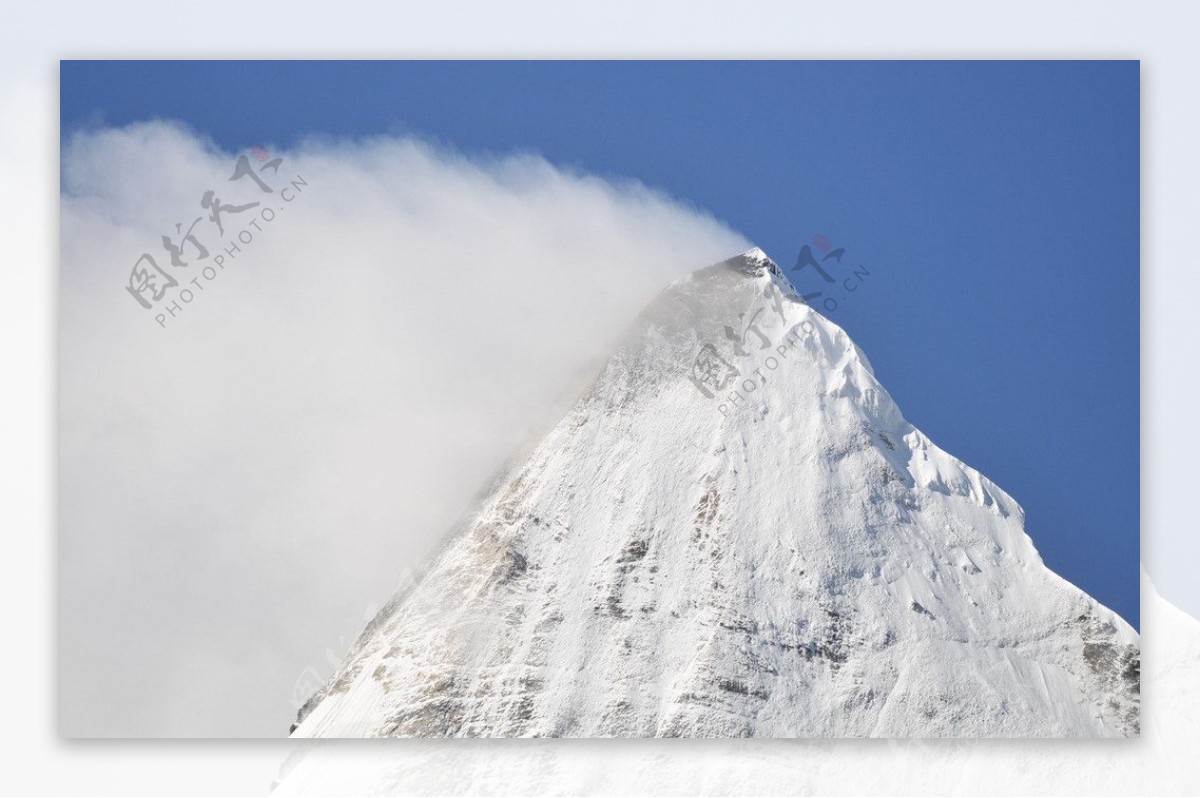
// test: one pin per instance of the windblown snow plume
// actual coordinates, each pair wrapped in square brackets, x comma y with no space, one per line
[358,352]
[736,533]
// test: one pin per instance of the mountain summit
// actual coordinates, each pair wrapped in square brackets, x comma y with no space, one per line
[734,533]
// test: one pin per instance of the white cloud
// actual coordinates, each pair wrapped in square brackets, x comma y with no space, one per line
[240,485]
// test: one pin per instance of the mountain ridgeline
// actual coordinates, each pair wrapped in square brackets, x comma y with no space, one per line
[735,533]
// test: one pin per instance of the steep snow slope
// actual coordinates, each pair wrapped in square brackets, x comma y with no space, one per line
[736,533]
[1162,762]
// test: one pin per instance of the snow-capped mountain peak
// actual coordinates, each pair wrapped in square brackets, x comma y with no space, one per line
[736,533]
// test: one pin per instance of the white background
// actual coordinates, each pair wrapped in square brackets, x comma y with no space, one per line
[34,38]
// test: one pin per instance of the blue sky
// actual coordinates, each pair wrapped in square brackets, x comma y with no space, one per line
[994,204]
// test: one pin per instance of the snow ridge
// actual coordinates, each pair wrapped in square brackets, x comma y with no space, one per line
[736,533]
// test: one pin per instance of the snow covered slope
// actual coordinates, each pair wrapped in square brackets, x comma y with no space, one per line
[736,533]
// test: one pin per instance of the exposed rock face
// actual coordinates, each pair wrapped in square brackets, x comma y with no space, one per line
[736,533]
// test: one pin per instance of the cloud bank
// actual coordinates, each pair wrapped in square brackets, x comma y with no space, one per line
[247,472]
